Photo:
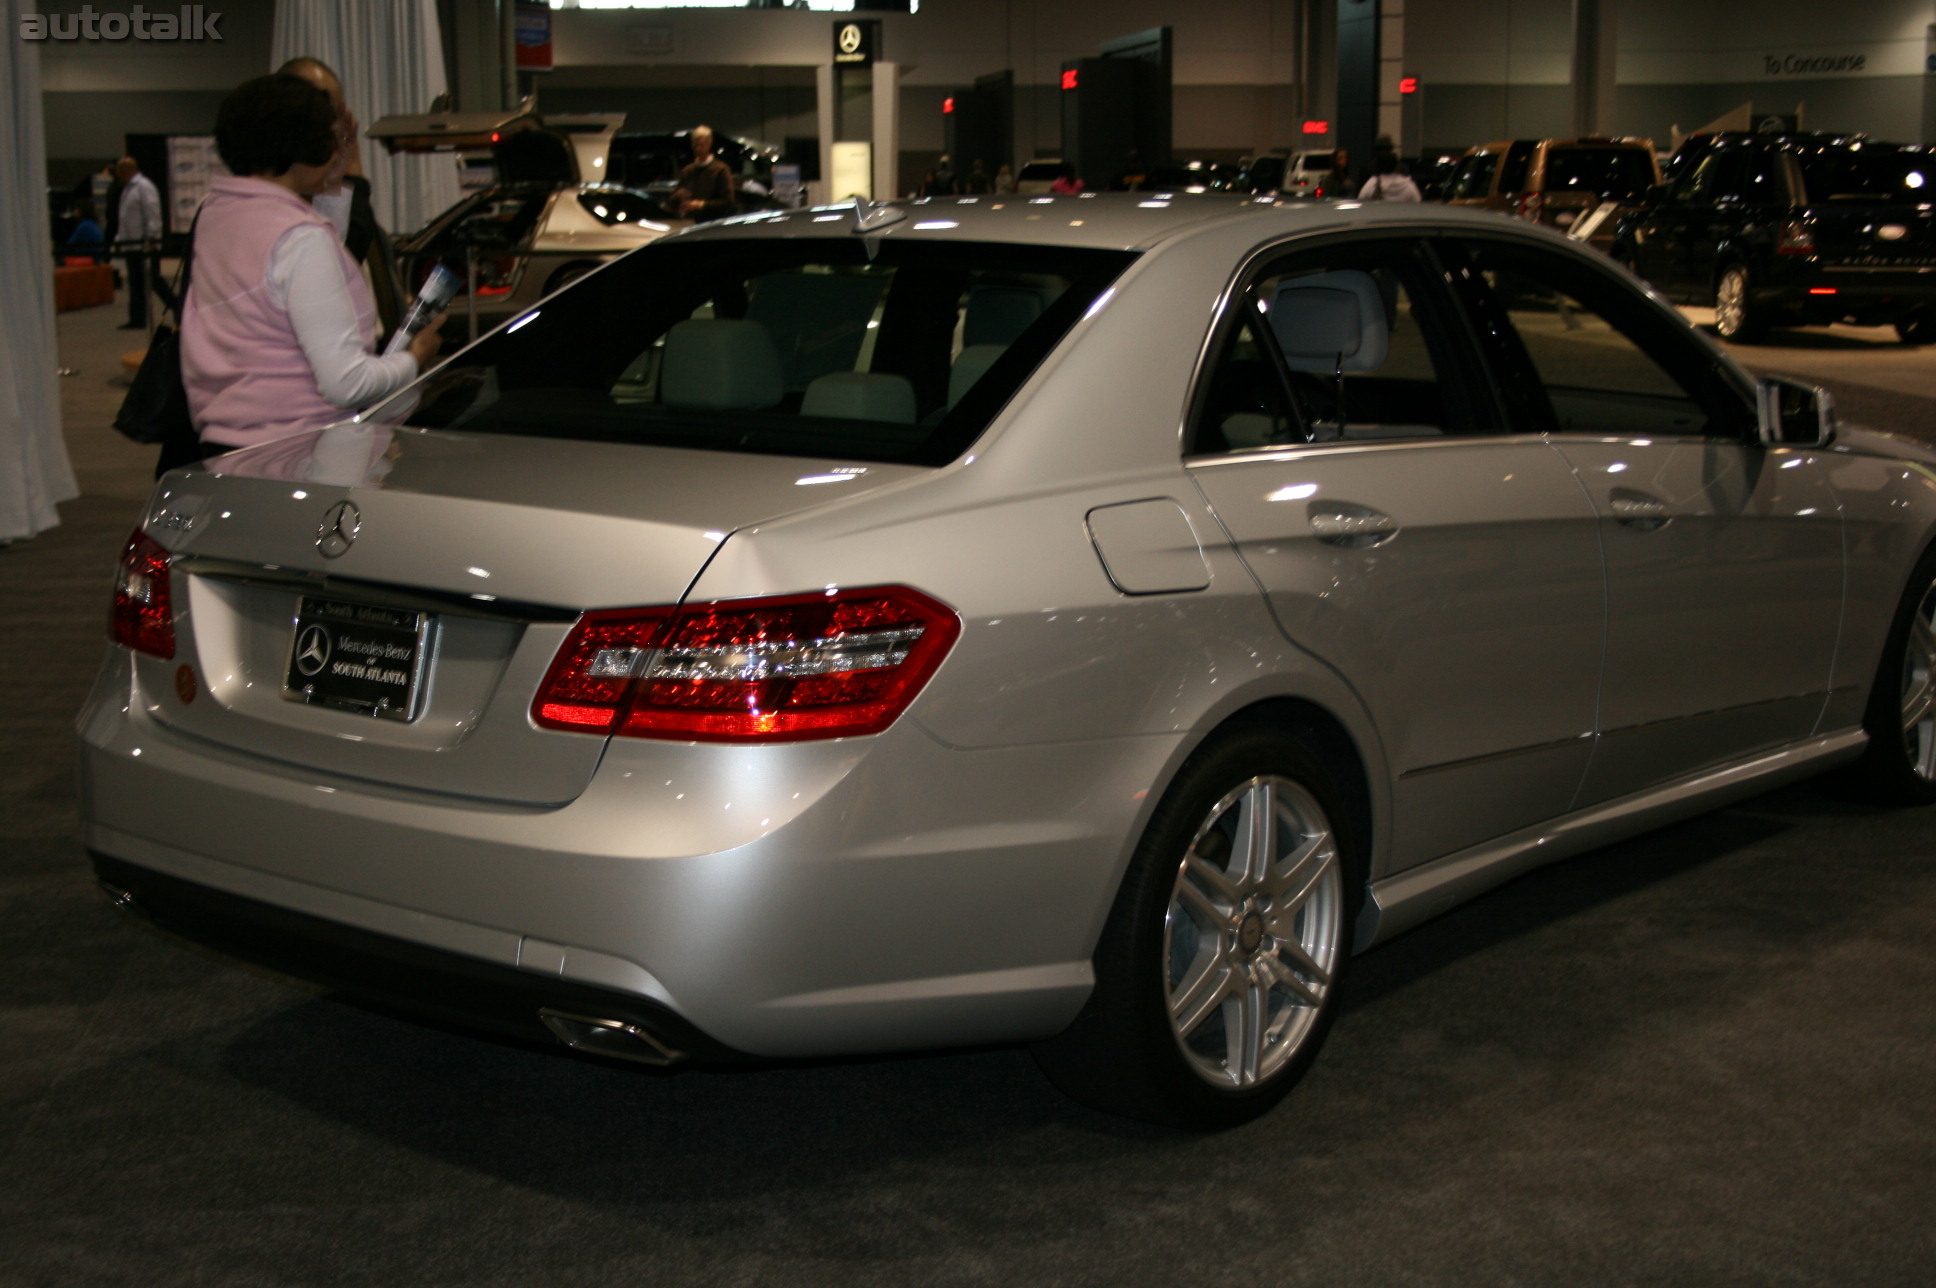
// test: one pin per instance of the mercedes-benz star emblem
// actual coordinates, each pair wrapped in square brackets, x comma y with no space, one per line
[340,524]
[850,38]
[312,650]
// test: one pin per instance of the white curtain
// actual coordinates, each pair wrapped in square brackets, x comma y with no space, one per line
[389,55]
[34,470]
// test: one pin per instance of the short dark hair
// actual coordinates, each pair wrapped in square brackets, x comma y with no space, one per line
[273,122]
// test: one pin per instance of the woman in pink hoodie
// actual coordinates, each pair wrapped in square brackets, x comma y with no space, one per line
[279,328]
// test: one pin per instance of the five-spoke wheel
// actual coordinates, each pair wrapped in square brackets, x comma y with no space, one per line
[1252,936]
[1217,974]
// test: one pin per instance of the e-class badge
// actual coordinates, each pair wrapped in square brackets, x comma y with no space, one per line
[339,528]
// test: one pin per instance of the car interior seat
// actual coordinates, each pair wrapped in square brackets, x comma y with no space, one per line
[720,364]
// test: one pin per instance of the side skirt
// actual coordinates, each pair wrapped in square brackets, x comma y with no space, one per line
[1412,897]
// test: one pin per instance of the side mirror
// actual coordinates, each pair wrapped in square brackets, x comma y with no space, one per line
[1791,414]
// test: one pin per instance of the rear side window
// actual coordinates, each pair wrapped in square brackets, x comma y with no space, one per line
[1519,158]
[795,346]
[1348,344]
[1608,172]
[1872,172]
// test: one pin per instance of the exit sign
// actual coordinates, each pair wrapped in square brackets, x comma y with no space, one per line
[1317,127]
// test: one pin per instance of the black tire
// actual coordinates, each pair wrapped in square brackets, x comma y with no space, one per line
[1918,328]
[1735,317]
[1899,766]
[568,274]
[1195,918]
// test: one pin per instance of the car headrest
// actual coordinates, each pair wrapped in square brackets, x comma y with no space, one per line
[861,395]
[999,314]
[1331,322]
[972,364]
[721,364]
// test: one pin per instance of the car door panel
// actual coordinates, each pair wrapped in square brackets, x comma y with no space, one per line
[1457,586]
[1724,600]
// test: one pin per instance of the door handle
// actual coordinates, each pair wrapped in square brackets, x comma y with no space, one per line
[1639,511]
[1355,527]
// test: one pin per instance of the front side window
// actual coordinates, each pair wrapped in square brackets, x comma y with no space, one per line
[1604,361]
[1349,344]
[812,346]
[1474,180]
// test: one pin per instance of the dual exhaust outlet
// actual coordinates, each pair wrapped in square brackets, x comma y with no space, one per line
[620,1039]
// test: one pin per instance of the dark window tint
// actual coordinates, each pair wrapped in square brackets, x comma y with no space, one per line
[788,346]
[1606,362]
[1519,157]
[1609,172]
[1875,172]
[1474,179]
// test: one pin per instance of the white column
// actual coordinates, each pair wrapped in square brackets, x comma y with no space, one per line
[887,131]
[823,86]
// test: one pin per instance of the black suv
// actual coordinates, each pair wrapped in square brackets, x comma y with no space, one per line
[1796,229]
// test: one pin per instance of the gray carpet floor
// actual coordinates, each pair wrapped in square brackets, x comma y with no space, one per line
[1704,1057]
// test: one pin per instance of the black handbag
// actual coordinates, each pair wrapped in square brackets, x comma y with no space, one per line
[155,409]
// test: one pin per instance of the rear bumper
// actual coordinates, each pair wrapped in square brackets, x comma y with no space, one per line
[1884,293]
[433,983]
[880,894]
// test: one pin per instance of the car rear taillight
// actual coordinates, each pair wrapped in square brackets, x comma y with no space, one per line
[830,665]
[143,619]
[1796,238]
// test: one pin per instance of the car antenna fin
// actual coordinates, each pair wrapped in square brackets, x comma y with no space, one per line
[873,216]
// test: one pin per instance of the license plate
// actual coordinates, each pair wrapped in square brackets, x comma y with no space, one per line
[357,657]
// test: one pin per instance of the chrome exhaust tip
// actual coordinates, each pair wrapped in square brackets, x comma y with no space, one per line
[621,1039]
[119,897]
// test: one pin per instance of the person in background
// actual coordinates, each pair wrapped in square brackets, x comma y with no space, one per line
[706,186]
[942,184]
[976,184]
[138,231]
[1067,182]
[86,237]
[1004,181]
[345,200]
[279,329]
[1387,183]
[1337,183]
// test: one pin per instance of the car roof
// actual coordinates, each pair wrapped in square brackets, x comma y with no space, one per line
[1104,221]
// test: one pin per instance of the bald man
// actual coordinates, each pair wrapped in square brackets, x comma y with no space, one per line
[138,231]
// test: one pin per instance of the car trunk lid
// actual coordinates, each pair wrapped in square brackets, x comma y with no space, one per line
[443,570]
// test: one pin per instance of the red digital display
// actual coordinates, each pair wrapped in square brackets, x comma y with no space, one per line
[1069,79]
[1317,127]
[947,105]
[1408,84]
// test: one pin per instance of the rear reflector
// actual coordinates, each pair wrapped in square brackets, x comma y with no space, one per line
[1821,290]
[142,618]
[831,665]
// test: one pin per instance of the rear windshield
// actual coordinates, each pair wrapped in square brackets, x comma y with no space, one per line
[1609,172]
[1853,172]
[895,352]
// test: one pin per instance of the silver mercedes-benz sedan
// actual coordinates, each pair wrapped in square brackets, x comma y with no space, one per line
[1076,621]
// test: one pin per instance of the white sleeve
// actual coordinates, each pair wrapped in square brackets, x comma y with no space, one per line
[335,207]
[306,279]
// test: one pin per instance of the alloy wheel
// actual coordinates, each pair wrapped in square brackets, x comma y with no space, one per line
[1731,303]
[1254,932]
[1919,689]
